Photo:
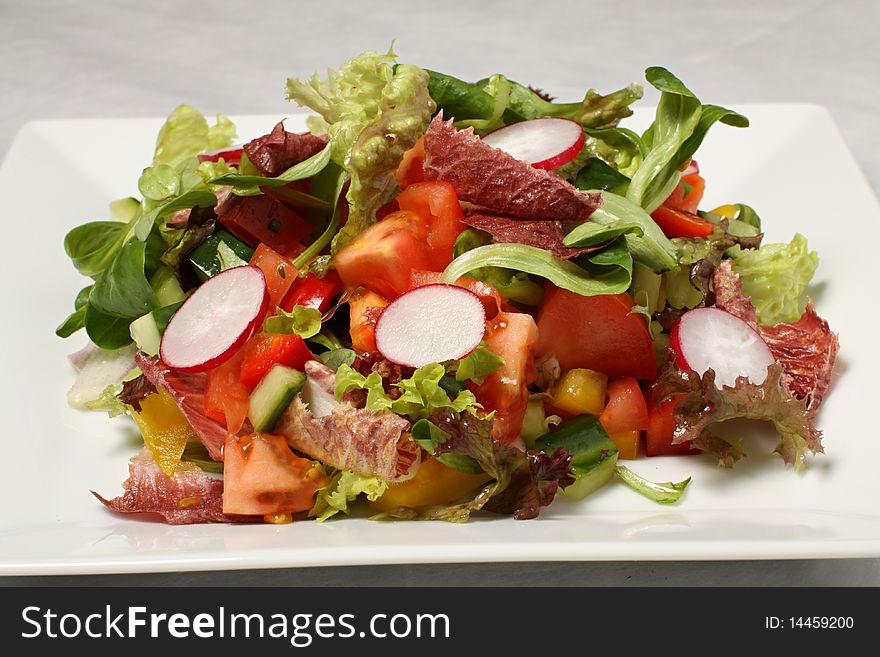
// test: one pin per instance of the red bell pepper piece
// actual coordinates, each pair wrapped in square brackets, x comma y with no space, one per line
[264,350]
[313,292]
[260,219]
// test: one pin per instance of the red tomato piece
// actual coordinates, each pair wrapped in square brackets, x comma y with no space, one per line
[598,333]
[311,291]
[661,428]
[260,219]
[411,169]
[625,408]
[506,391]
[678,223]
[437,203]
[279,272]
[364,310]
[691,202]
[226,399]
[261,476]
[230,155]
[264,350]
[382,257]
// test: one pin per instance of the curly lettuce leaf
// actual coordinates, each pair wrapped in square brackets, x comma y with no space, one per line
[344,488]
[422,395]
[375,110]
[301,321]
[775,278]
[186,133]
[477,365]
[704,405]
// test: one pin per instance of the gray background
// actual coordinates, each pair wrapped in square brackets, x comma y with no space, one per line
[134,59]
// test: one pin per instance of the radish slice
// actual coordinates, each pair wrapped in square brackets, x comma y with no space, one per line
[710,337]
[431,324]
[216,320]
[547,143]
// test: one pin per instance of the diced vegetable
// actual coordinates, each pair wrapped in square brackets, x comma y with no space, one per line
[311,291]
[506,391]
[226,398]
[262,477]
[627,442]
[433,484]
[267,349]
[594,454]
[437,204]
[164,428]
[260,219]
[580,391]
[625,408]
[216,320]
[364,310]
[431,324]
[411,168]
[273,395]
[598,332]
[279,272]
[204,258]
[382,257]
[679,223]
[660,431]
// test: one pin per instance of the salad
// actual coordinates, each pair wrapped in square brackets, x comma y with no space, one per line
[445,298]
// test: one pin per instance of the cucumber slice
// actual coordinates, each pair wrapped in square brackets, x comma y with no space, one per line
[594,454]
[146,331]
[205,260]
[166,287]
[273,395]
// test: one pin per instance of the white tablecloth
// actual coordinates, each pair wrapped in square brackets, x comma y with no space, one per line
[127,59]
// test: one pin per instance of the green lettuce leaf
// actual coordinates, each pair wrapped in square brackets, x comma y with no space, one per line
[422,395]
[679,127]
[511,284]
[344,487]
[186,133]
[302,321]
[704,404]
[665,492]
[375,110]
[775,278]
[477,365]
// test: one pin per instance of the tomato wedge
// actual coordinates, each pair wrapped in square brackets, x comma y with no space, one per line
[625,408]
[226,398]
[678,223]
[506,391]
[364,310]
[382,257]
[661,429]
[279,272]
[312,291]
[437,203]
[598,333]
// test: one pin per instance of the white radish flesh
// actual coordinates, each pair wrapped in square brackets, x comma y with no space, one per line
[547,143]
[706,338]
[216,320]
[431,324]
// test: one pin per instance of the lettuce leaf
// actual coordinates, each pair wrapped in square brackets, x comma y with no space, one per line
[704,405]
[775,278]
[344,487]
[186,133]
[679,127]
[422,395]
[375,110]
[664,492]
[302,321]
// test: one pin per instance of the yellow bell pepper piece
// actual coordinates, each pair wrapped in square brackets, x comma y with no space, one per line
[727,211]
[434,483]
[627,443]
[165,430]
[580,391]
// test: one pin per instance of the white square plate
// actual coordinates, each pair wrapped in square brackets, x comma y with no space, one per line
[791,165]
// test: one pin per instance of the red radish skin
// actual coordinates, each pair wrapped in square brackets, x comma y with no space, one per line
[705,338]
[431,324]
[547,143]
[216,321]
[690,169]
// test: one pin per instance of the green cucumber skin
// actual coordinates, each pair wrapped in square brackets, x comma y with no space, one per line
[273,394]
[594,454]
[204,257]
